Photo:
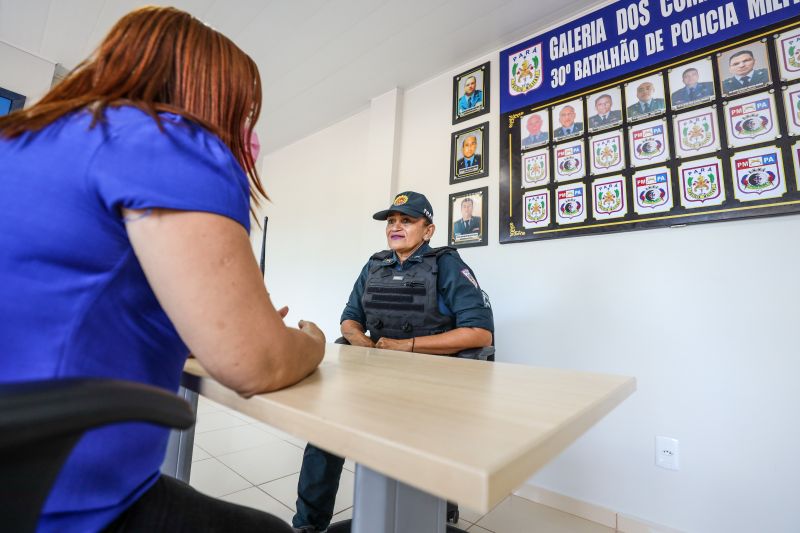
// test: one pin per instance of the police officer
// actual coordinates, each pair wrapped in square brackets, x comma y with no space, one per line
[410,298]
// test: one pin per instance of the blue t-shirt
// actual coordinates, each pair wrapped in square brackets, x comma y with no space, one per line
[73,298]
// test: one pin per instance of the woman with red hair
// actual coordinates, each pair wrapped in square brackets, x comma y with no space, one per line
[125,201]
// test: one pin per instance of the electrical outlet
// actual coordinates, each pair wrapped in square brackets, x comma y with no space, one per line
[667,453]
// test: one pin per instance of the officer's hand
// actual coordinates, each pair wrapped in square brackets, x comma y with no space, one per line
[402,345]
[311,329]
[283,311]
[359,339]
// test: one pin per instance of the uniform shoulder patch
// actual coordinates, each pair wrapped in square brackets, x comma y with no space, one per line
[467,274]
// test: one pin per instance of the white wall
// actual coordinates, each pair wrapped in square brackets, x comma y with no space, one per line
[25,73]
[705,317]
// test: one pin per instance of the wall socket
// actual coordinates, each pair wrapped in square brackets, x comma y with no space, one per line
[667,453]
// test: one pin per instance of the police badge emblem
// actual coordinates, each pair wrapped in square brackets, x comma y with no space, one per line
[607,153]
[750,120]
[536,209]
[788,48]
[569,161]
[608,197]
[701,183]
[525,69]
[652,191]
[791,100]
[571,203]
[758,174]
[696,133]
[648,143]
[535,168]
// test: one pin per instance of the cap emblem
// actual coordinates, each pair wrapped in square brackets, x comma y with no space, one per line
[400,199]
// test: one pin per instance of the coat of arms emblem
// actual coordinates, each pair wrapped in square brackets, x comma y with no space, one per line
[607,152]
[701,183]
[525,69]
[648,143]
[569,161]
[697,132]
[536,211]
[609,197]
[790,52]
[536,168]
[571,203]
[758,174]
[652,191]
[752,119]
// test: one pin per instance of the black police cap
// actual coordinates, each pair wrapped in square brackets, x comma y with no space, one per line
[409,203]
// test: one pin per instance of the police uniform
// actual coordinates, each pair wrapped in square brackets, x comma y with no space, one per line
[431,292]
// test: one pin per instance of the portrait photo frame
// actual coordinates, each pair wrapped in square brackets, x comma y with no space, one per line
[468,162]
[464,233]
[477,103]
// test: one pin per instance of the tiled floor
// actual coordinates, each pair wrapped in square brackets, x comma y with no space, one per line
[244,461]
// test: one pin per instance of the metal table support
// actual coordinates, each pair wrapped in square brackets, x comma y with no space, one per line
[178,461]
[385,505]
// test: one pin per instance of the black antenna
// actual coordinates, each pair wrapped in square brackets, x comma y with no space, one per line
[264,245]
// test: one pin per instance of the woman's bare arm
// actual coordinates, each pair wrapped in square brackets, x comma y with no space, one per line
[202,270]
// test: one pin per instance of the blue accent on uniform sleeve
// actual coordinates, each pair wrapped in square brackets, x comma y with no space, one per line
[353,310]
[462,297]
[184,167]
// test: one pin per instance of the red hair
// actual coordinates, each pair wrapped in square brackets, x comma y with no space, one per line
[161,59]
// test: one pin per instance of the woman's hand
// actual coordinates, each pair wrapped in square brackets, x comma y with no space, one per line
[311,329]
[401,345]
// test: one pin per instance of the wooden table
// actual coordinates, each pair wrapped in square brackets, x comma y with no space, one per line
[425,428]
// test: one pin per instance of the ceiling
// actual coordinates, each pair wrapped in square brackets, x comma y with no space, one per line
[320,60]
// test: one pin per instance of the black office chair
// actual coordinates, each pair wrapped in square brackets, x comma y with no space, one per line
[41,421]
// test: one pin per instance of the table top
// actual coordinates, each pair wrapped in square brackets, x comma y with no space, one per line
[468,431]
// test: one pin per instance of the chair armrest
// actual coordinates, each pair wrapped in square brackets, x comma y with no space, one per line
[36,410]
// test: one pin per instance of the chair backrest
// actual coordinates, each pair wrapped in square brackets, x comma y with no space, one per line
[41,421]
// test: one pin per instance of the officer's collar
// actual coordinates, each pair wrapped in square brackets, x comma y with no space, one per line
[416,257]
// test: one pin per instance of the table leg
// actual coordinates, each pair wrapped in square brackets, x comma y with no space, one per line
[385,505]
[178,461]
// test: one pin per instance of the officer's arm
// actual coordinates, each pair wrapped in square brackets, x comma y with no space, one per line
[353,317]
[354,333]
[447,343]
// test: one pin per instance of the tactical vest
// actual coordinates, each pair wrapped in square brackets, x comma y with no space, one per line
[401,304]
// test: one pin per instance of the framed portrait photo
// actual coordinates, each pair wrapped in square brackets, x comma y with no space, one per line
[744,68]
[469,153]
[691,84]
[568,120]
[468,217]
[534,129]
[645,97]
[604,109]
[471,93]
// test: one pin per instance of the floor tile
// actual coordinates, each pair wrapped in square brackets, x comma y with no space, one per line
[264,463]
[204,405]
[300,443]
[285,490]
[479,529]
[211,477]
[469,515]
[229,440]
[347,514]
[258,499]
[217,420]
[515,514]
[198,454]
